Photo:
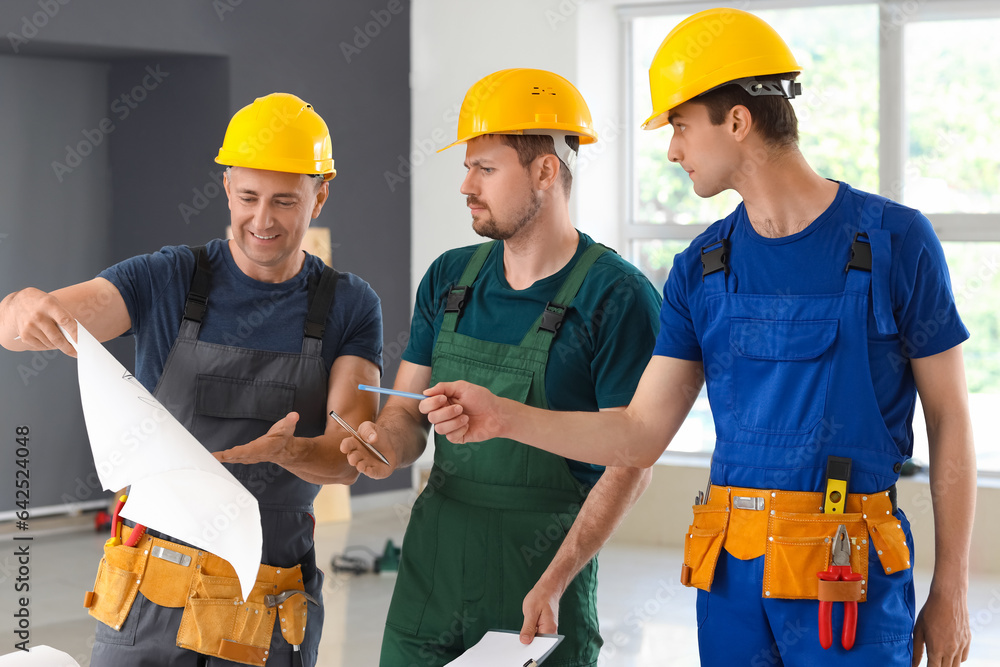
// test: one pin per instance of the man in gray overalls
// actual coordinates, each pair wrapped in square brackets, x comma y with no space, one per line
[248,343]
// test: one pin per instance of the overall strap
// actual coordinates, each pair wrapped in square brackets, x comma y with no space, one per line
[546,327]
[197,297]
[458,294]
[321,294]
[715,268]
[871,262]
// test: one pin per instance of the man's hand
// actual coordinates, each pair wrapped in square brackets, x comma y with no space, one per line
[463,412]
[361,458]
[943,626]
[275,446]
[541,612]
[36,317]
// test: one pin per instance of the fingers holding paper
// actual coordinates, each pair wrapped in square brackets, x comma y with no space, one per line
[541,613]
[31,319]
[37,320]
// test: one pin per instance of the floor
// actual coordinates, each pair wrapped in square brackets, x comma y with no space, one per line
[645,614]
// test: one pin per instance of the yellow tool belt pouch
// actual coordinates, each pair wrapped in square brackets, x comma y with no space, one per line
[119,576]
[216,621]
[789,529]
[703,544]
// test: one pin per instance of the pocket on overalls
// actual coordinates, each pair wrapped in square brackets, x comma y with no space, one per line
[800,545]
[116,584]
[780,358]
[431,524]
[702,545]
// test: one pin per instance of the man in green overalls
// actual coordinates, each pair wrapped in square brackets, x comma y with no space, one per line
[504,536]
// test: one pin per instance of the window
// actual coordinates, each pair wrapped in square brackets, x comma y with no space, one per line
[898,98]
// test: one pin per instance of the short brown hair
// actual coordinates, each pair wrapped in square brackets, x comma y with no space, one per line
[530,146]
[773,115]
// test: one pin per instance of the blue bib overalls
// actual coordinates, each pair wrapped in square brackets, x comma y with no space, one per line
[789,381]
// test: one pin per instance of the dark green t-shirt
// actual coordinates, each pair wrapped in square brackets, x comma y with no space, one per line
[601,350]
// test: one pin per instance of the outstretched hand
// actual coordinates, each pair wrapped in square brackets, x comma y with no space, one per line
[275,446]
[463,412]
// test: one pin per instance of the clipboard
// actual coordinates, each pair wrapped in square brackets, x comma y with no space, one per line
[503,648]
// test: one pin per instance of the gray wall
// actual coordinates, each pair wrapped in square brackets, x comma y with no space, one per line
[65,71]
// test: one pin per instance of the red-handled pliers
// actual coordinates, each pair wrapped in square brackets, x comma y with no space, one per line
[839,570]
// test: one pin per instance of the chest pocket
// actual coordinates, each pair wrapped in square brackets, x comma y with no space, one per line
[230,412]
[781,373]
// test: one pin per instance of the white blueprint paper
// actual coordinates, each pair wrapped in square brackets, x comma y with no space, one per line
[178,487]
[38,656]
[499,648]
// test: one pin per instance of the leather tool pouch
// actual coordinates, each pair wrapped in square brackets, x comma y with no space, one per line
[703,544]
[799,546]
[219,623]
[118,578]
[796,545]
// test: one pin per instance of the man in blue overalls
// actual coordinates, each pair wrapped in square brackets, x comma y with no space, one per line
[814,313]
[315,334]
[504,536]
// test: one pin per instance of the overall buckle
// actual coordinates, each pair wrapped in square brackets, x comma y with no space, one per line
[861,254]
[456,299]
[552,317]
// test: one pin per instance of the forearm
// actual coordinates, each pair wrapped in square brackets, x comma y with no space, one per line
[607,505]
[319,460]
[953,492]
[584,436]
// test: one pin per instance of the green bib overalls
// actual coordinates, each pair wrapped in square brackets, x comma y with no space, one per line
[494,513]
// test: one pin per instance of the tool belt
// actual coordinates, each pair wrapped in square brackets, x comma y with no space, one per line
[216,620]
[793,534]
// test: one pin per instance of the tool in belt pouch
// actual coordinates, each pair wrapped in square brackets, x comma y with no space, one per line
[216,620]
[791,531]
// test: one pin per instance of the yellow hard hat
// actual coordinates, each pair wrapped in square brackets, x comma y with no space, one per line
[523,101]
[712,48]
[279,132]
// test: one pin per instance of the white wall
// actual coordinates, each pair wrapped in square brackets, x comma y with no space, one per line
[457,42]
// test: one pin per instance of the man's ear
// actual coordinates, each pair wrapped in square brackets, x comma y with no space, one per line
[321,196]
[227,185]
[739,122]
[545,171]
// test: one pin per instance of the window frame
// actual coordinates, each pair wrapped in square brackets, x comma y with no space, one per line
[894,16]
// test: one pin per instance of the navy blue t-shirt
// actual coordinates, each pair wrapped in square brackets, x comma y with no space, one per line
[812,261]
[242,312]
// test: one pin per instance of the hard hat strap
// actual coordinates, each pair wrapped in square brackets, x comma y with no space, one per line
[562,149]
[762,85]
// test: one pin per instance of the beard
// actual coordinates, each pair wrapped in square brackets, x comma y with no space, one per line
[491,228]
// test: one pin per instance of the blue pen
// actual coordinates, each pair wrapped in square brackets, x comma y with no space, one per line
[391,392]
